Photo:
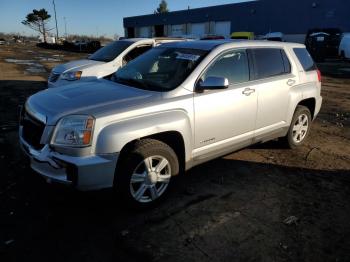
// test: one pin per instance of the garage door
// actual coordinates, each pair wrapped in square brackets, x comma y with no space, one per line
[198,29]
[144,31]
[223,28]
[176,30]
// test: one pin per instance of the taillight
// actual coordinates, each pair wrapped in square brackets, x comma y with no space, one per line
[319,75]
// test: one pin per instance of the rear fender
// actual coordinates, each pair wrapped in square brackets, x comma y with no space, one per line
[298,94]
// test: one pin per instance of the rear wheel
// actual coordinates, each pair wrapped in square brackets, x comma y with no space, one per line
[299,128]
[145,173]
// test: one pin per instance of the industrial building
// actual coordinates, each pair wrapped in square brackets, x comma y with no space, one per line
[291,17]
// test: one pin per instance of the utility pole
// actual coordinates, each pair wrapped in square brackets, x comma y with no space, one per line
[54,8]
[65,27]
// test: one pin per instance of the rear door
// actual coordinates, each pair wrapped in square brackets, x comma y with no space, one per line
[273,79]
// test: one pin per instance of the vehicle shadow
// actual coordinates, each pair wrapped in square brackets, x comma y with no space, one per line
[223,210]
[60,224]
[273,144]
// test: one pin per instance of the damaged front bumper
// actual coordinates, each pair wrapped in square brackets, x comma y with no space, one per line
[84,172]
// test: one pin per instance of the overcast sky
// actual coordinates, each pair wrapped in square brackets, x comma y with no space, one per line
[102,17]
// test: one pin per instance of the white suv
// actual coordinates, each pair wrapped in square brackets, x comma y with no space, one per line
[172,108]
[104,61]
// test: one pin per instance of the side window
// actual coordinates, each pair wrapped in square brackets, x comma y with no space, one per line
[232,65]
[135,53]
[305,59]
[269,62]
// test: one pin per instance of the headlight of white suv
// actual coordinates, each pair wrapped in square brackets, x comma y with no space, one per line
[74,130]
[72,76]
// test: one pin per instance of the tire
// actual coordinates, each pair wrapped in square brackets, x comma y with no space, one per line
[137,184]
[297,134]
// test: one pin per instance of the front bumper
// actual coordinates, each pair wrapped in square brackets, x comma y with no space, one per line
[84,173]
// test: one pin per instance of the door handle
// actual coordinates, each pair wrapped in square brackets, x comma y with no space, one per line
[248,91]
[290,82]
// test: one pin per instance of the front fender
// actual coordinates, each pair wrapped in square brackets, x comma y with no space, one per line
[115,136]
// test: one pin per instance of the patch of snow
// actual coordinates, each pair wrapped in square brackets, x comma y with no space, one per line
[24,62]
[36,70]
[48,59]
[19,62]
[34,67]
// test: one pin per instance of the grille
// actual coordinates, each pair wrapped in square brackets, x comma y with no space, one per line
[32,131]
[53,77]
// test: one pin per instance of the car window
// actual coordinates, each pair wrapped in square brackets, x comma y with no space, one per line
[160,69]
[232,65]
[305,59]
[286,62]
[135,53]
[269,62]
[111,51]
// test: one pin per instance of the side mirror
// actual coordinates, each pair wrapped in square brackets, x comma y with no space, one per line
[213,83]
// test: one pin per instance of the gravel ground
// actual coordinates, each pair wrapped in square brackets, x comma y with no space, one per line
[264,203]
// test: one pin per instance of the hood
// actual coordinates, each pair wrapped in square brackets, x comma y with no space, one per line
[76,65]
[88,98]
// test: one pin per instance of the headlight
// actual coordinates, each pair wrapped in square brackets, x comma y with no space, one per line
[75,130]
[72,76]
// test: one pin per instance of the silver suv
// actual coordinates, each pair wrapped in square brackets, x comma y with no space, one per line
[174,107]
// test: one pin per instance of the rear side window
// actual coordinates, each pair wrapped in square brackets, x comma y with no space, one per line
[305,59]
[269,62]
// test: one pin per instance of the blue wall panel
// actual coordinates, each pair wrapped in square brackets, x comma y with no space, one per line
[287,16]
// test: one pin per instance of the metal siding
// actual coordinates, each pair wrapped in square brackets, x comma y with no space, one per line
[176,30]
[261,17]
[198,29]
[222,28]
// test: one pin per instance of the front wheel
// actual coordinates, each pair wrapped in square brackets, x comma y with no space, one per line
[299,128]
[145,173]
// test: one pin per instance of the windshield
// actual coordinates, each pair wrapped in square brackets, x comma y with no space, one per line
[160,69]
[110,51]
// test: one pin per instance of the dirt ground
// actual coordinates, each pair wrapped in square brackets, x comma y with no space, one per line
[264,203]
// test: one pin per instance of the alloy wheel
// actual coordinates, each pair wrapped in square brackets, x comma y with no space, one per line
[300,128]
[150,179]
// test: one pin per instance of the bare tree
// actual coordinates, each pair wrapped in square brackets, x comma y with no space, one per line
[163,8]
[38,20]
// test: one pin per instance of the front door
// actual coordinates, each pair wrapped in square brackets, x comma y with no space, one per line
[225,118]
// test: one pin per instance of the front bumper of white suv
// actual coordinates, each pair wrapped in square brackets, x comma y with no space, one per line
[91,172]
